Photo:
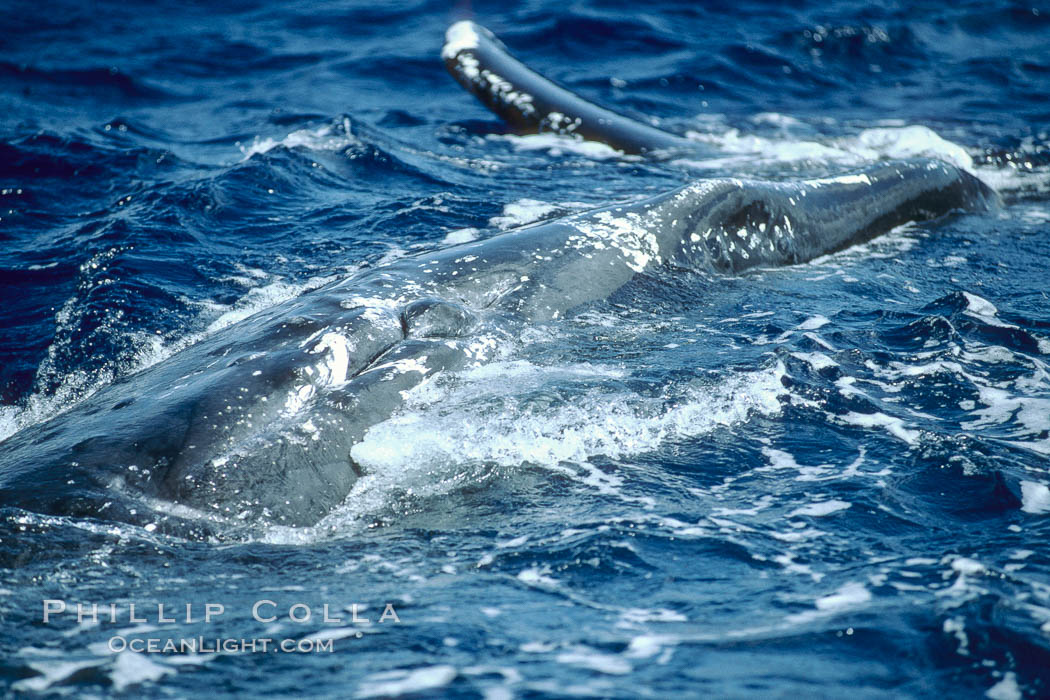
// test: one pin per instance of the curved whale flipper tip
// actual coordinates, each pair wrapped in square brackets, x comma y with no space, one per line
[530,103]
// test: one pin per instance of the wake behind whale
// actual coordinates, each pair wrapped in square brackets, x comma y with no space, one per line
[257,422]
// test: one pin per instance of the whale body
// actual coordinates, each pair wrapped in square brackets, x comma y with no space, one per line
[257,421]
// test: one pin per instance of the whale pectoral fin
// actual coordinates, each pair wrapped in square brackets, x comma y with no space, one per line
[531,103]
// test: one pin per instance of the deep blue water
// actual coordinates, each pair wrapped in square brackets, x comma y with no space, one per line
[829,479]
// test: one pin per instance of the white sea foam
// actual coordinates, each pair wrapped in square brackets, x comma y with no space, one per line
[869,145]
[736,149]
[591,659]
[393,684]
[256,299]
[1032,414]
[460,235]
[595,422]
[1035,497]
[894,426]
[322,138]
[820,509]
[816,360]
[813,323]
[52,672]
[538,576]
[848,596]
[559,144]
[1005,689]
[505,414]
[521,213]
[967,566]
[1035,215]
[1012,178]
[131,668]
[978,306]
[909,142]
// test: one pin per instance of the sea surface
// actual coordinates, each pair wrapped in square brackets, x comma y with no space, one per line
[830,480]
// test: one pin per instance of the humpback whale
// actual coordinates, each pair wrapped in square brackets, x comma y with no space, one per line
[257,421]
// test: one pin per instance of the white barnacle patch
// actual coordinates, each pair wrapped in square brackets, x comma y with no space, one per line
[503,89]
[696,189]
[310,429]
[468,65]
[460,39]
[380,317]
[860,179]
[628,233]
[461,36]
[298,398]
[561,124]
[333,368]
[392,369]
[369,305]
[482,349]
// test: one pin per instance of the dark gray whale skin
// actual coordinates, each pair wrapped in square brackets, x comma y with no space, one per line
[257,421]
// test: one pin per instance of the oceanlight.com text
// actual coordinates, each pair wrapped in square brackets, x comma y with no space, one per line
[217,645]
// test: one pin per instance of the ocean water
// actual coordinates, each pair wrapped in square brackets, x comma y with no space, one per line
[828,479]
